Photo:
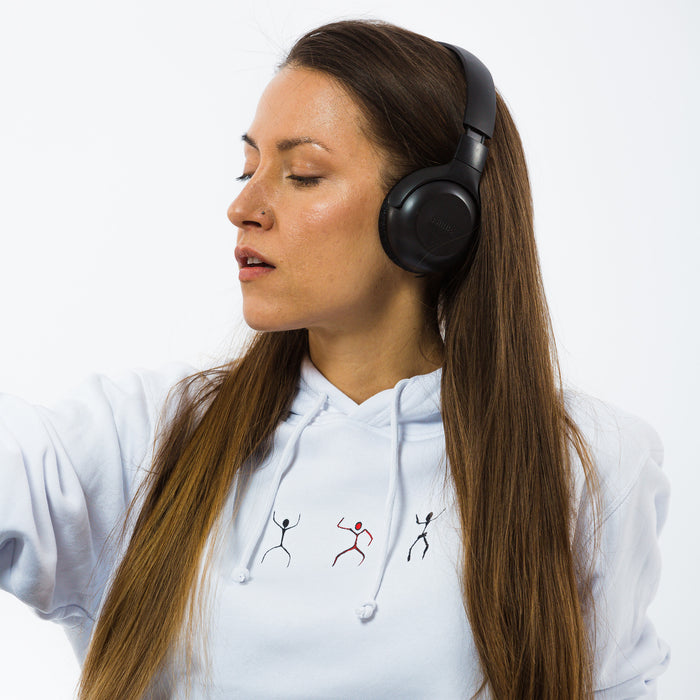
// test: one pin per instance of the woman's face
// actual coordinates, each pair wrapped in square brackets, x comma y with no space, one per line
[309,210]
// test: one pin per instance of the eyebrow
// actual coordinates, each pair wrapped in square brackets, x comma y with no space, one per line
[288,144]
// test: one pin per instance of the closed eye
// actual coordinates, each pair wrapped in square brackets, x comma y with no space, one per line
[304,181]
[300,180]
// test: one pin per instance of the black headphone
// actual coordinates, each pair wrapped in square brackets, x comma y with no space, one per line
[430,218]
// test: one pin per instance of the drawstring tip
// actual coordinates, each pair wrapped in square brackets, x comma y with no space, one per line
[241,574]
[366,610]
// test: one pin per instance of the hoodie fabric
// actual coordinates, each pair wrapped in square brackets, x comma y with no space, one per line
[339,575]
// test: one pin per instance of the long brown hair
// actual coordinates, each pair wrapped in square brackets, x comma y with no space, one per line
[509,440]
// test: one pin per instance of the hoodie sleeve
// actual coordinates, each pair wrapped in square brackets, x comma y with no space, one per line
[634,493]
[67,474]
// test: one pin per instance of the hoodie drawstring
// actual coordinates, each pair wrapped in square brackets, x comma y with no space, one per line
[241,573]
[368,608]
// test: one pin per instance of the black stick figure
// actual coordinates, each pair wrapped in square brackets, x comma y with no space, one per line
[284,527]
[357,531]
[423,536]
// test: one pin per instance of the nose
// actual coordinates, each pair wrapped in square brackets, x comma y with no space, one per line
[250,210]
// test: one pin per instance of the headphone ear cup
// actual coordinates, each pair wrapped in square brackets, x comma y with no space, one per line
[428,227]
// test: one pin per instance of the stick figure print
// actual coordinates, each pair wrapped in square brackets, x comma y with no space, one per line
[284,527]
[423,535]
[357,531]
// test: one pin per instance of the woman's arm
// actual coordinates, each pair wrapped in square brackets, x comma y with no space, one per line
[67,474]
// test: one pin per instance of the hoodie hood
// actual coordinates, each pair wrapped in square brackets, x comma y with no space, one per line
[416,402]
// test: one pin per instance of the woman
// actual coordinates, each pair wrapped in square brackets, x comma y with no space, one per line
[388,494]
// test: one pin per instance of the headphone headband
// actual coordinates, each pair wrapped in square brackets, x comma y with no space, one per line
[480,112]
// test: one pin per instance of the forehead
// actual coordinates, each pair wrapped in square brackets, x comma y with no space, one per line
[299,102]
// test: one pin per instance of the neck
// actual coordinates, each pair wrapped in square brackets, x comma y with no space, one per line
[367,361]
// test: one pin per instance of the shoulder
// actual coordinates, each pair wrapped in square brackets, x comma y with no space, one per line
[625,448]
[108,418]
[148,386]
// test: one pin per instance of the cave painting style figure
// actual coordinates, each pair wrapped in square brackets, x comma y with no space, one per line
[423,536]
[357,531]
[284,527]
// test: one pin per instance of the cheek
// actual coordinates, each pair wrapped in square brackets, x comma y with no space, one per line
[343,228]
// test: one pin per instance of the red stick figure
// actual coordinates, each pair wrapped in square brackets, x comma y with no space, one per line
[357,531]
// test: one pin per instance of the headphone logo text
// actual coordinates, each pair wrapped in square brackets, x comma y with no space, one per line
[442,224]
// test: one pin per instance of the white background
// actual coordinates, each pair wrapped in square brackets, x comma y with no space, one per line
[120,141]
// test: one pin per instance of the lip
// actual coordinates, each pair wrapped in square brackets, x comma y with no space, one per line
[246,273]
[242,254]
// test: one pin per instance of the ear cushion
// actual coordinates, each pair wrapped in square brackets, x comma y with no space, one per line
[384,236]
[429,227]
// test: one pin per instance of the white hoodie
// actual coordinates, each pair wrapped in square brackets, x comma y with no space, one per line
[339,578]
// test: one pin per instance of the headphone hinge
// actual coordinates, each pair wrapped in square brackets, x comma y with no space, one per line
[471,152]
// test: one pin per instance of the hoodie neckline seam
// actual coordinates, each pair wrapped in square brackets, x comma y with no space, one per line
[332,389]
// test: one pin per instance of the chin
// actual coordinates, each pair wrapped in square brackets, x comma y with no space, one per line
[267,322]
[257,324]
